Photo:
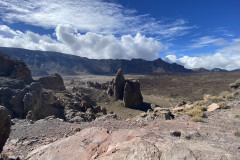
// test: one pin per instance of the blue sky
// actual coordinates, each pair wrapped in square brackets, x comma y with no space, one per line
[189,32]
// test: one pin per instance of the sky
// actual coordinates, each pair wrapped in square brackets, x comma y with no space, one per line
[193,33]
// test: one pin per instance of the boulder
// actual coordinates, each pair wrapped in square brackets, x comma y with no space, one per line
[42,103]
[132,96]
[53,82]
[163,113]
[14,69]
[235,85]
[213,107]
[118,85]
[177,110]
[5,125]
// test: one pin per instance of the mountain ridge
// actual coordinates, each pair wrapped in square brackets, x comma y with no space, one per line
[47,62]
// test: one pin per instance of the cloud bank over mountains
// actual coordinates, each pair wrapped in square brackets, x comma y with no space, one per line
[226,58]
[90,45]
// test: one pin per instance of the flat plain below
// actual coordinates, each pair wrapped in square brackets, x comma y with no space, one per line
[165,90]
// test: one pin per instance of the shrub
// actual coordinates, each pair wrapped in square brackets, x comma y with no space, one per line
[77,129]
[229,97]
[196,114]
[202,108]
[198,103]
[223,105]
[197,119]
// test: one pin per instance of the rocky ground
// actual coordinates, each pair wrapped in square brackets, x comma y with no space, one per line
[107,123]
[218,137]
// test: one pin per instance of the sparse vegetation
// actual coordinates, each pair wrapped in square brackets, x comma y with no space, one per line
[223,105]
[196,114]
[229,97]
[202,108]
[77,129]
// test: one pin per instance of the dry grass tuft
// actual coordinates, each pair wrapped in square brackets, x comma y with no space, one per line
[223,105]
[77,129]
[202,108]
[197,113]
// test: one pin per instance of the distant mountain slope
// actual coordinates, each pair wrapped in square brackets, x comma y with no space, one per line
[202,70]
[45,62]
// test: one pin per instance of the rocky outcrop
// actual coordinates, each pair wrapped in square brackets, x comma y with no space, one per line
[97,85]
[134,144]
[126,90]
[132,96]
[5,125]
[41,103]
[156,113]
[78,107]
[23,97]
[235,85]
[14,69]
[118,85]
[53,82]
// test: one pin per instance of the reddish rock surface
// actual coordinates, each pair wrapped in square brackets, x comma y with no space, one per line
[109,138]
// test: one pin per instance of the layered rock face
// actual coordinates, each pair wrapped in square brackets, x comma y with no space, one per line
[5,125]
[126,90]
[14,69]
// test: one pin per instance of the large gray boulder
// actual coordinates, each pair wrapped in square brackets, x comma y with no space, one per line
[53,82]
[235,85]
[5,126]
[132,96]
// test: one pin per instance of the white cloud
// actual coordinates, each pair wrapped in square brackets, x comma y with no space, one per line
[96,16]
[226,58]
[207,41]
[90,45]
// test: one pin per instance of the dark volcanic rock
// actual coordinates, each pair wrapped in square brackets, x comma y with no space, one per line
[118,85]
[42,103]
[14,69]
[5,125]
[53,82]
[11,83]
[126,90]
[132,96]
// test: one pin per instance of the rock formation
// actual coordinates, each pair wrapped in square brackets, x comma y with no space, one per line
[21,96]
[118,85]
[5,125]
[126,90]
[42,103]
[78,107]
[53,82]
[132,96]
[14,69]
[235,85]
